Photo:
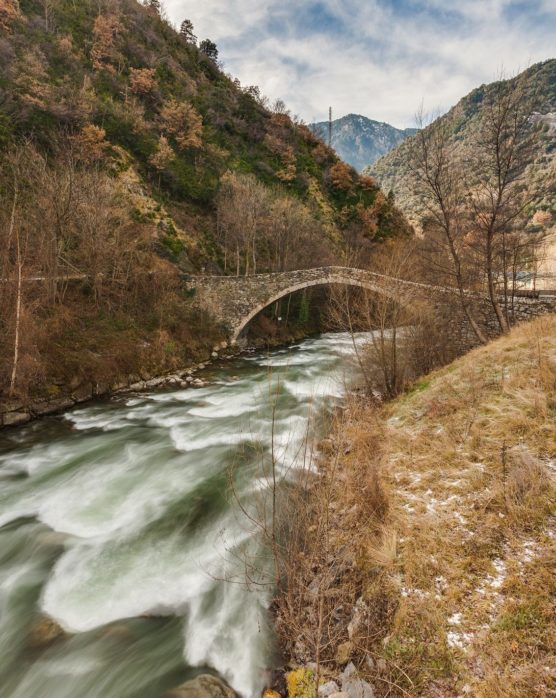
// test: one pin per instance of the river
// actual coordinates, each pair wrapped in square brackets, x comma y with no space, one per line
[118,520]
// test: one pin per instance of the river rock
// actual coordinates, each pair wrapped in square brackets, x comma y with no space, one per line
[214,355]
[328,689]
[119,385]
[357,688]
[83,393]
[51,406]
[139,385]
[349,672]
[44,631]
[353,685]
[14,419]
[203,686]
[11,406]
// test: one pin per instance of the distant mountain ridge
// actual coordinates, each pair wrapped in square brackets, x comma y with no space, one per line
[361,141]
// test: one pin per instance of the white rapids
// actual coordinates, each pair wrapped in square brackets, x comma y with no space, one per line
[119,521]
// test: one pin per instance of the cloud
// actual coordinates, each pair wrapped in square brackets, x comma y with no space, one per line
[381,58]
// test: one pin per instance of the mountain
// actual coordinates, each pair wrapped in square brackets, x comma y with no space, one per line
[360,141]
[393,170]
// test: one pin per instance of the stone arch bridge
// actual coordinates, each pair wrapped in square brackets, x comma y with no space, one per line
[235,300]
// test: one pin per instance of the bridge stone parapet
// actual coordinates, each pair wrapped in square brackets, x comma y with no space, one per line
[235,300]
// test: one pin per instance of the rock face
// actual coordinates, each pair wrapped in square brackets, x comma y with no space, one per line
[203,686]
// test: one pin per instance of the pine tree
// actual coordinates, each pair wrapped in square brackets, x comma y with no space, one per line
[210,50]
[186,32]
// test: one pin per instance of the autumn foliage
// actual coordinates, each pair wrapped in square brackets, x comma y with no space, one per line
[341,176]
[91,144]
[182,121]
[9,11]
[104,53]
[142,81]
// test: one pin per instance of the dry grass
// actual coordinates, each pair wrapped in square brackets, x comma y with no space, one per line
[458,578]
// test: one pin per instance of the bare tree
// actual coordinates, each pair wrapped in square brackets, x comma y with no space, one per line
[438,180]
[497,195]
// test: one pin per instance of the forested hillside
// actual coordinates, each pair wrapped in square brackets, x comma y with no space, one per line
[129,156]
[538,85]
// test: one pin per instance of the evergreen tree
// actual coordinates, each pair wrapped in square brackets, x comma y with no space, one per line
[186,32]
[210,50]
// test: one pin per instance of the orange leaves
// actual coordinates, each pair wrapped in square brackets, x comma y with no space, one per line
[183,121]
[106,32]
[91,144]
[142,81]
[289,171]
[341,176]
[368,183]
[9,11]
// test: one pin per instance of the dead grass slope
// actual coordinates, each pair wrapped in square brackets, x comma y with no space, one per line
[457,582]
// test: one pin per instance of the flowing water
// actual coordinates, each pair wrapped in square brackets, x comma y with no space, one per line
[120,521]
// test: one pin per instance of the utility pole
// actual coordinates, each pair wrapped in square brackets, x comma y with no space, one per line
[330,127]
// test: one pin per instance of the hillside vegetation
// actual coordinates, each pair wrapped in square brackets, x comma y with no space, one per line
[393,171]
[120,81]
[128,157]
[439,509]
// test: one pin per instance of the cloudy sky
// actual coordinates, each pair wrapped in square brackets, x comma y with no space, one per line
[380,58]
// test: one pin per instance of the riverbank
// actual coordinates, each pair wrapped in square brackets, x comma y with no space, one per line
[67,394]
[429,564]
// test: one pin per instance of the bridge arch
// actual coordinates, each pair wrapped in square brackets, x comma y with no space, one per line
[238,328]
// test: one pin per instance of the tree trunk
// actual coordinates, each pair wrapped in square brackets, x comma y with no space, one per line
[19,284]
[17,318]
[492,289]
[461,289]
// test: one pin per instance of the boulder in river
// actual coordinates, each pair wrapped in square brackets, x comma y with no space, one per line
[44,631]
[15,419]
[203,686]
